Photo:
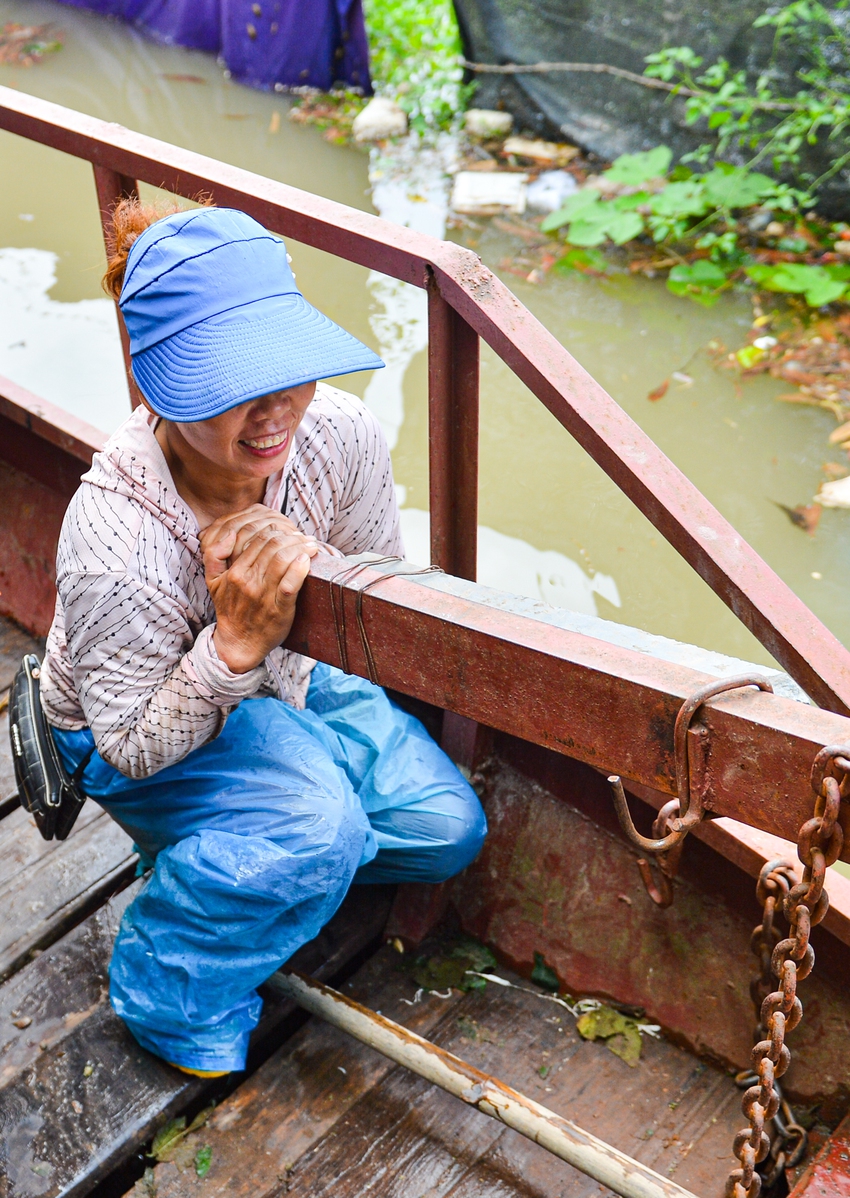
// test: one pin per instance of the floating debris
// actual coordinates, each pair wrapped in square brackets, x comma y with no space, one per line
[804,515]
[478,193]
[381,119]
[659,392]
[487,123]
[540,151]
[334,114]
[549,190]
[178,78]
[835,494]
[25,45]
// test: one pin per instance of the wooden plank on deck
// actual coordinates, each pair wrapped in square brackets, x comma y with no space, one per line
[46,886]
[302,1127]
[406,1138]
[297,1096]
[71,1112]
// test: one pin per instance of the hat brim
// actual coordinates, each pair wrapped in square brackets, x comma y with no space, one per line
[253,350]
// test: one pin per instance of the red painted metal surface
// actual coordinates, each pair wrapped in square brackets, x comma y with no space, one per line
[46,425]
[111,186]
[549,880]
[613,708]
[807,650]
[749,849]
[828,1175]
[453,367]
[44,452]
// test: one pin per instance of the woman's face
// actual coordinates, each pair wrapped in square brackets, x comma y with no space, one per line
[252,440]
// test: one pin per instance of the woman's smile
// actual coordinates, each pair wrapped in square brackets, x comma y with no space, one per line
[268,446]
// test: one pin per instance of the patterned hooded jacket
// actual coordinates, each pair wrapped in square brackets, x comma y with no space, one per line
[130,653]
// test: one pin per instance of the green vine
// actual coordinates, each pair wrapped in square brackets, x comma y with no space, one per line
[761,116]
[721,224]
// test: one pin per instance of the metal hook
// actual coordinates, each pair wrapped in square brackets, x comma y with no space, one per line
[689,808]
[659,883]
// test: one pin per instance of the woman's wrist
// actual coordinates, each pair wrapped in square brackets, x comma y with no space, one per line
[233,652]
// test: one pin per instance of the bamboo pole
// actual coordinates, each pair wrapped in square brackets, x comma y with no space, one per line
[564,1139]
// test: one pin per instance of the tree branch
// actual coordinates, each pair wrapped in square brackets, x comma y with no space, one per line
[604,68]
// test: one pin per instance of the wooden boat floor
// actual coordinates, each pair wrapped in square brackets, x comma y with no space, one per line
[327,1116]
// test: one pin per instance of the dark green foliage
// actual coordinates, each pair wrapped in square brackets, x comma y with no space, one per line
[448,966]
[543,975]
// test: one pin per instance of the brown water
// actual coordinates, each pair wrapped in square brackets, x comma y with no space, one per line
[554,524]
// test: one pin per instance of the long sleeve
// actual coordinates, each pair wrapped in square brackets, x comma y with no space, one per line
[149,691]
[131,652]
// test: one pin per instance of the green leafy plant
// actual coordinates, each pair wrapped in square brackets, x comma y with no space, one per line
[416,57]
[775,114]
[203,1160]
[620,210]
[702,280]
[818,284]
[700,218]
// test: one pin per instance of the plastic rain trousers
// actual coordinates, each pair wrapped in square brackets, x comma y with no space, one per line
[254,840]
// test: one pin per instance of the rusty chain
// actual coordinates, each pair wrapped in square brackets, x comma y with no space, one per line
[789,960]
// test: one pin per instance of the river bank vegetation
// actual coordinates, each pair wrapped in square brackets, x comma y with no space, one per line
[737,214]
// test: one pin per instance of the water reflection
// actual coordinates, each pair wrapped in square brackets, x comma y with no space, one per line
[509,564]
[409,187]
[49,347]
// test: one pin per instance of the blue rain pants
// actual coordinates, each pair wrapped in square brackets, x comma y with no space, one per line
[254,840]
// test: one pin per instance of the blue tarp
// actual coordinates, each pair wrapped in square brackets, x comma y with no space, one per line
[256,837]
[295,43]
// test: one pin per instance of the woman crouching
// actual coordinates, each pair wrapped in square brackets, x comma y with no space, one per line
[256,783]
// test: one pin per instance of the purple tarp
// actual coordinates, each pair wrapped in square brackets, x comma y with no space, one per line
[296,43]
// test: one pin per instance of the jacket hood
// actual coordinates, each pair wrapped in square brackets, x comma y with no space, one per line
[132,464]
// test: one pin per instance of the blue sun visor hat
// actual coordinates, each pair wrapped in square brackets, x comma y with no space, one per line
[215,318]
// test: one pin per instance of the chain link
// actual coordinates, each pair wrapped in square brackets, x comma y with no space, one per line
[788,960]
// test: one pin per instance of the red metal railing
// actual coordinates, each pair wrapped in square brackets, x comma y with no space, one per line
[466,301]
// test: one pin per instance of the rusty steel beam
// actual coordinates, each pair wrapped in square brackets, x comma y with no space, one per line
[111,187]
[613,708]
[754,592]
[453,369]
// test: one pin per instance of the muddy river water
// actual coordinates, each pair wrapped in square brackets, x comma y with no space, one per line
[553,525]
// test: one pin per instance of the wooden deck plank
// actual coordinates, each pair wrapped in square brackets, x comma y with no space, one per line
[302,1128]
[407,1138]
[59,990]
[71,1112]
[47,886]
[297,1095]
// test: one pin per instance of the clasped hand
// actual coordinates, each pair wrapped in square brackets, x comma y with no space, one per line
[255,564]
